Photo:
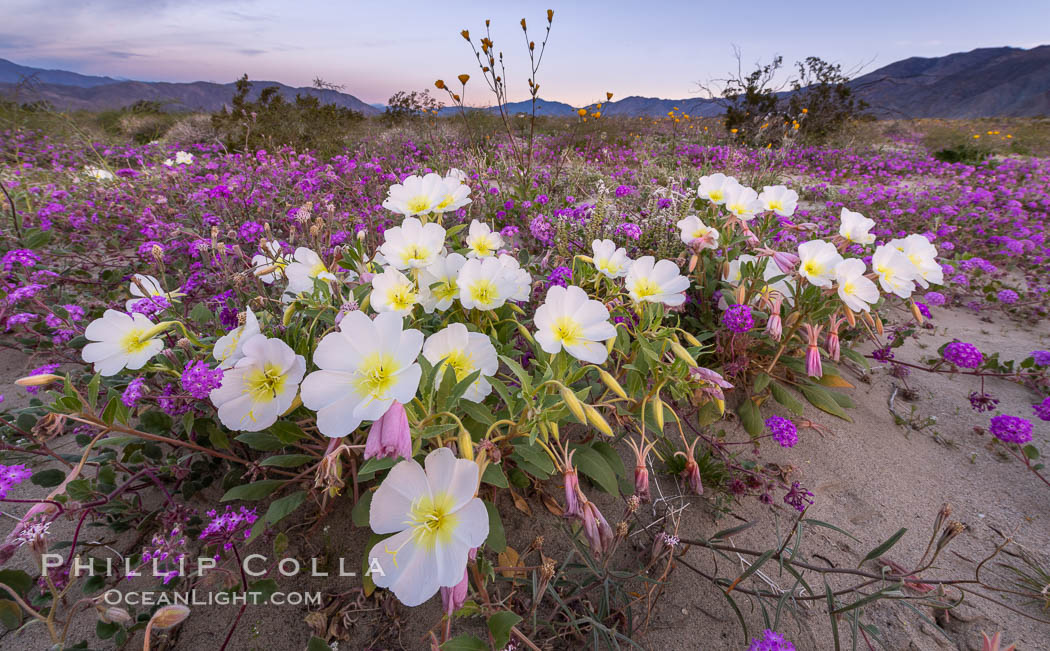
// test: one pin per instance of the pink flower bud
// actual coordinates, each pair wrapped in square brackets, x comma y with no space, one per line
[833,345]
[813,366]
[390,435]
[641,483]
[572,491]
[597,530]
[452,598]
[775,326]
[691,474]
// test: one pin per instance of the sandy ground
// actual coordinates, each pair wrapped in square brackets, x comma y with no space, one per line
[870,477]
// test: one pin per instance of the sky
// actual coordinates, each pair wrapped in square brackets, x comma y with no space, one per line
[651,48]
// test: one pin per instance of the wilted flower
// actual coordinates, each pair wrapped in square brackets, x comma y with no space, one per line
[798,497]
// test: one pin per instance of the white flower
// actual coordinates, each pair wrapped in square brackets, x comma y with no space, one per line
[457,195]
[364,367]
[571,320]
[779,199]
[609,260]
[817,261]
[183,158]
[457,174]
[486,284]
[896,272]
[693,230]
[229,348]
[416,195]
[855,227]
[152,287]
[856,291]
[656,282]
[413,245]
[436,520]
[115,342]
[923,255]
[743,202]
[168,162]
[261,386]
[392,291]
[463,353]
[481,241]
[520,278]
[438,283]
[98,173]
[305,266]
[271,263]
[714,187]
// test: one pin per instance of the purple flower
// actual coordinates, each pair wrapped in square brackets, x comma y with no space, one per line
[150,305]
[1007,296]
[923,309]
[798,497]
[770,641]
[627,229]
[11,475]
[1041,357]
[783,430]
[936,299]
[560,276]
[981,401]
[738,319]
[224,527]
[198,379]
[963,355]
[1011,429]
[883,355]
[24,257]
[542,229]
[1042,410]
[133,393]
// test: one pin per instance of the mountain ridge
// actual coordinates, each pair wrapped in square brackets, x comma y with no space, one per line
[984,82]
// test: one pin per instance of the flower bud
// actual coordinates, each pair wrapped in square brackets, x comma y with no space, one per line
[38,380]
[390,435]
[168,616]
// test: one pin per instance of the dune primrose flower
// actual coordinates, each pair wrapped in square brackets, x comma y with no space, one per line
[436,520]
[697,234]
[229,348]
[393,291]
[610,261]
[413,245]
[817,262]
[417,195]
[463,352]
[482,241]
[260,387]
[656,282]
[116,342]
[779,199]
[306,265]
[896,273]
[486,284]
[855,227]
[856,291]
[364,367]
[571,320]
[438,283]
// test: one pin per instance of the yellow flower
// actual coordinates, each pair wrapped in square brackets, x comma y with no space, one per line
[463,79]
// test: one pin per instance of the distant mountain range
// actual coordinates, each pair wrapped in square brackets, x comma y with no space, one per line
[69,90]
[987,82]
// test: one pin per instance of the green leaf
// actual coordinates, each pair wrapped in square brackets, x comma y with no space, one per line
[821,523]
[260,441]
[79,490]
[750,417]
[884,547]
[282,508]
[523,377]
[11,614]
[317,644]
[497,540]
[17,580]
[1031,451]
[359,514]
[372,466]
[786,398]
[92,391]
[477,411]
[611,457]
[761,382]
[104,630]
[463,643]
[592,464]
[754,567]
[500,625]
[286,460]
[822,399]
[48,478]
[287,432]
[494,475]
[254,491]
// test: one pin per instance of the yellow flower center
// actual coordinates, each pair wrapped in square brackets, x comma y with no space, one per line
[446,290]
[484,292]
[317,270]
[481,246]
[775,205]
[885,272]
[567,330]
[716,195]
[645,287]
[130,342]
[264,384]
[431,520]
[849,288]
[607,266]
[376,376]
[445,202]
[420,203]
[812,268]
[461,362]
[415,252]
[401,297]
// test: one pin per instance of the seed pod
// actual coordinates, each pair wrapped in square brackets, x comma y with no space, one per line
[611,382]
[466,444]
[658,412]
[596,419]
[690,339]
[682,353]
[574,404]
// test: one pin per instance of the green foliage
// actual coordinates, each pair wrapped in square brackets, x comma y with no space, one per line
[271,121]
